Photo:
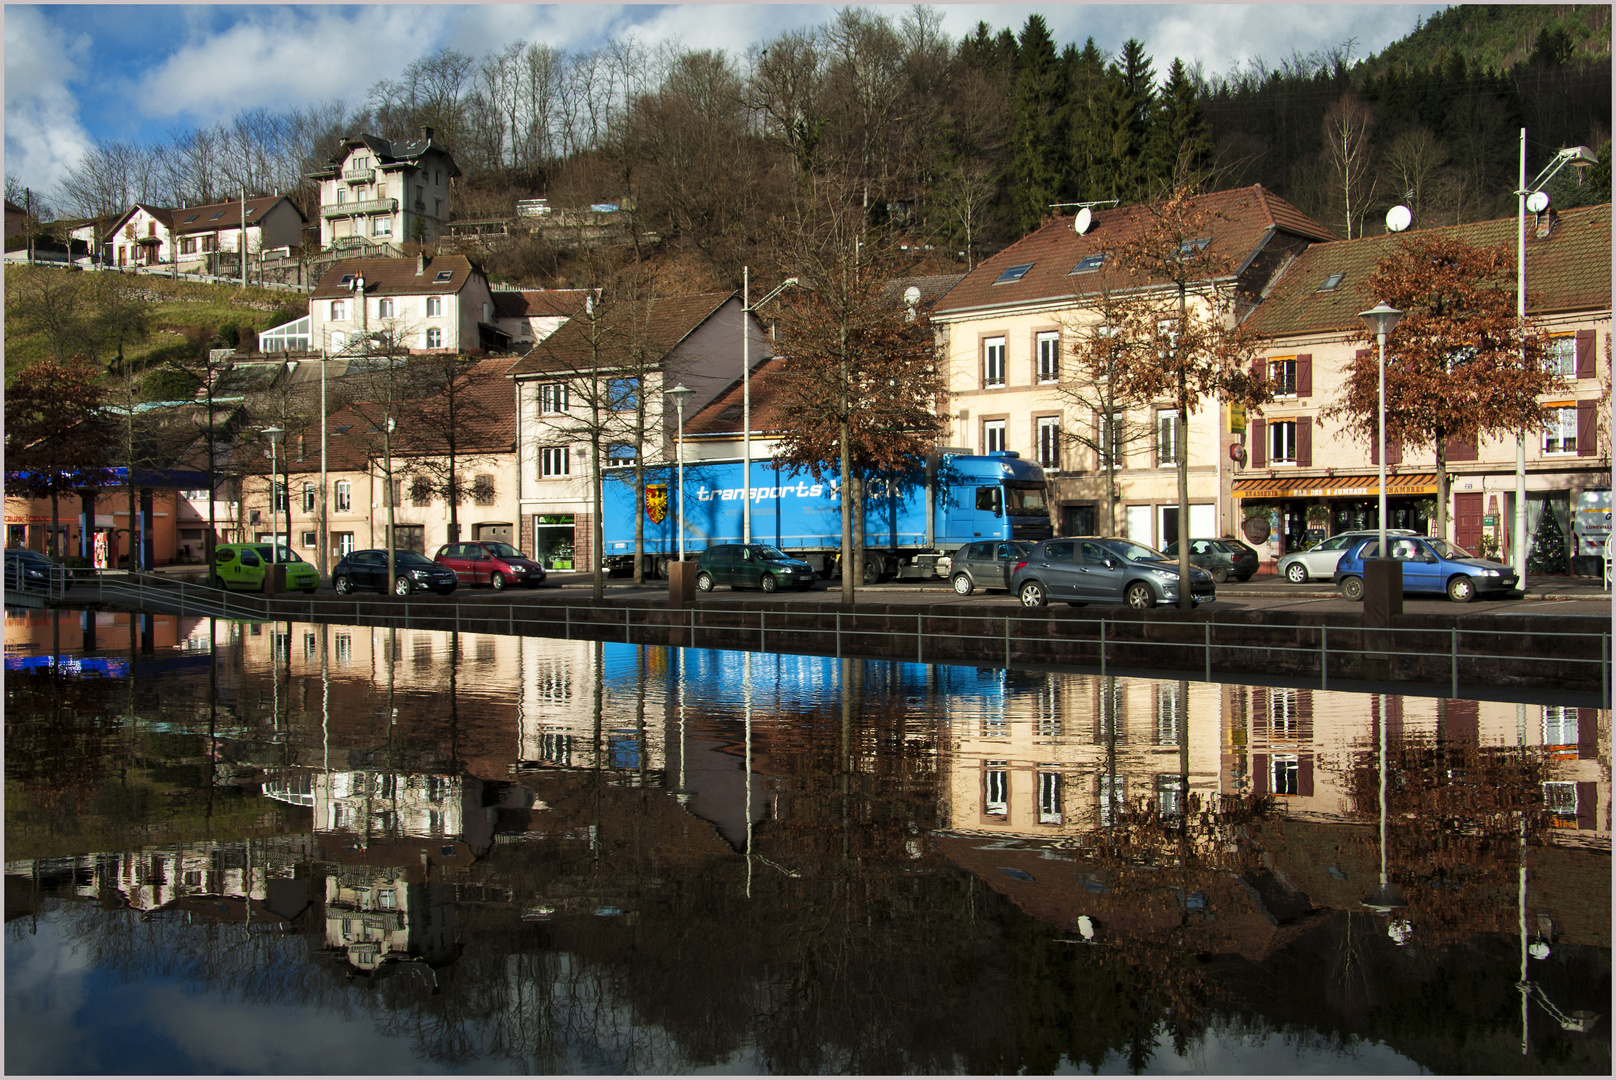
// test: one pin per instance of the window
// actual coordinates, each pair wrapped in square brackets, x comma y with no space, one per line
[553,398]
[993,362]
[437,207]
[623,395]
[1286,772]
[553,461]
[311,645]
[188,245]
[420,491]
[482,489]
[1111,797]
[1284,716]
[344,495]
[443,276]
[1049,798]
[1168,443]
[342,196]
[1169,714]
[344,648]
[434,307]
[310,538]
[381,226]
[343,542]
[1013,273]
[1048,358]
[990,499]
[280,498]
[1169,794]
[995,789]
[1559,725]
[1088,264]
[1560,799]
[309,495]
[620,455]
[1282,376]
[555,748]
[1560,437]
[1049,442]
[1562,357]
[1332,281]
[384,308]
[1282,442]
[434,338]
[339,310]
[993,436]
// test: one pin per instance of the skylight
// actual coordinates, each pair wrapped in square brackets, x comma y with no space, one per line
[251,210]
[192,218]
[1189,247]
[217,216]
[444,275]
[1014,273]
[1332,281]
[1089,263]
[347,279]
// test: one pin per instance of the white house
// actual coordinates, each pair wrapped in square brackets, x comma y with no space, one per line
[383,192]
[424,304]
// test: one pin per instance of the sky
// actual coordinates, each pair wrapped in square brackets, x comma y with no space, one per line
[76,74]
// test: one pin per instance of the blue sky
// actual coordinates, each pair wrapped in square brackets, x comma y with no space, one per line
[78,73]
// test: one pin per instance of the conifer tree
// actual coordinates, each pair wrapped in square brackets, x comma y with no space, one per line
[1032,177]
[1179,135]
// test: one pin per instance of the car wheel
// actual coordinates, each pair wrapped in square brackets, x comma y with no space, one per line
[704,582]
[962,584]
[1140,596]
[1352,588]
[401,586]
[1296,574]
[767,582]
[1461,590]
[1221,575]
[1032,594]
[872,569]
[343,585]
[496,581]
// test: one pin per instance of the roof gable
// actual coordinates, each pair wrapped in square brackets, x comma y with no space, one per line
[657,325]
[398,277]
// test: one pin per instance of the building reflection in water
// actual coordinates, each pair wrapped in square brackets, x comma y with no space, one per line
[418,804]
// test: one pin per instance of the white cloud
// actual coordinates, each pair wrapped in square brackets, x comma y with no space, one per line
[44,138]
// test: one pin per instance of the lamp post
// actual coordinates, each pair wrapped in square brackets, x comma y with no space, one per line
[1579,157]
[1381,319]
[746,394]
[274,434]
[678,394]
[387,456]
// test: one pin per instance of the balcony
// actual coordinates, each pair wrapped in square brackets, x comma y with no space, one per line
[357,209]
[358,176]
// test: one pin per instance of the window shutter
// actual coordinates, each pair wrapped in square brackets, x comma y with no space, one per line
[1587,734]
[1458,449]
[1304,774]
[1304,442]
[1587,803]
[1587,428]
[1259,774]
[1259,370]
[1304,375]
[1394,451]
[1259,444]
[1463,724]
[1585,354]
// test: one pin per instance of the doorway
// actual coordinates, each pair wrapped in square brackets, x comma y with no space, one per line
[493,532]
[1079,519]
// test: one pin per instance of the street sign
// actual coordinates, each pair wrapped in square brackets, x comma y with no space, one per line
[1237,418]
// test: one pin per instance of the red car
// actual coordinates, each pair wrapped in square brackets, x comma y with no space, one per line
[490,563]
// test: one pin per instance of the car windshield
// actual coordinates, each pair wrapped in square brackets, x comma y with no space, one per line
[1025,498]
[503,551]
[1449,551]
[769,553]
[283,553]
[411,558]
[1136,552]
[1218,545]
[1336,543]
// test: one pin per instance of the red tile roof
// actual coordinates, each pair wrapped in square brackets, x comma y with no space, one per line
[397,277]
[225,215]
[658,325]
[1244,218]
[1569,270]
[723,415]
[539,303]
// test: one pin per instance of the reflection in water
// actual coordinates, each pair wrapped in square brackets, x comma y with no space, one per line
[558,856]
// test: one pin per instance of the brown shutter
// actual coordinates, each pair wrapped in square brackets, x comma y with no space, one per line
[1304,774]
[1587,803]
[1585,354]
[1587,733]
[1394,451]
[1587,428]
[1464,723]
[1304,441]
[1259,370]
[1304,375]
[1458,449]
[1259,774]
[1259,444]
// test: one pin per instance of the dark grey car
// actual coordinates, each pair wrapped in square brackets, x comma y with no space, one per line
[986,564]
[751,566]
[1104,570]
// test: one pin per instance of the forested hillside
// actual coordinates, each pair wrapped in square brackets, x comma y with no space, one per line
[964,145]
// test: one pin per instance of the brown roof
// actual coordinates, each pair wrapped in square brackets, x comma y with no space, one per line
[659,324]
[538,303]
[387,152]
[1569,270]
[1245,218]
[723,415]
[160,213]
[224,215]
[397,277]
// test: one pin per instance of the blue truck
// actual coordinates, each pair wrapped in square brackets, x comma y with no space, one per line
[910,521]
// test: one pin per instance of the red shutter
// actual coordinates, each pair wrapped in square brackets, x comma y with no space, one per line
[1259,444]
[1587,734]
[1259,774]
[1304,714]
[1304,774]
[1585,354]
[1587,428]
[1587,803]
[1304,441]
[1458,449]
[1259,370]
[1304,375]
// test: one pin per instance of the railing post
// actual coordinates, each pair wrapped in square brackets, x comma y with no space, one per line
[628,635]
[568,610]
[763,632]
[838,635]
[920,638]
[1453,660]
[1324,658]
[1007,643]
[1102,646]
[1604,668]
[1208,652]
[510,616]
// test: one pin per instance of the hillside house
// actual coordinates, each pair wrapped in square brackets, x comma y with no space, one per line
[376,191]
[440,304]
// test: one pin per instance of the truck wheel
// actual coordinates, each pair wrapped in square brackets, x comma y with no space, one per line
[662,564]
[343,585]
[872,569]
[1296,574]
[704,582]
[1032,594]
[962,584]
[1352,588]
[496,581]
[767,583]
[1140,596]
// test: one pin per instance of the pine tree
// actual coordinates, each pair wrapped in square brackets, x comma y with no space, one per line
[1089,168]
[1548,553]
[1179,133]
[1032,177]
[1134,101]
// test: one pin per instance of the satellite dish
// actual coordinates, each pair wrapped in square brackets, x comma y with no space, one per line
[1398,218]
[1084,219]
[911,296]
[1537,202]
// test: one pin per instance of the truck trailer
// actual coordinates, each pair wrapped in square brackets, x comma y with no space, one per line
[911,522]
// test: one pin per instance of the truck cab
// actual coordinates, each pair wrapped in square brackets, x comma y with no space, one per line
[996,496]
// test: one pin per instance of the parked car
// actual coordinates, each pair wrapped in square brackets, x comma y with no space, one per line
[1430,565]
[1223,559]
[491,563]
[1104,570]
[986,564]
[244,566]
[414,572]
[1300,567]
[26,569]
[743,566]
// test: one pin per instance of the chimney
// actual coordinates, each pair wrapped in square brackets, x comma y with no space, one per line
[1546,223]
[426,134]
[420,264]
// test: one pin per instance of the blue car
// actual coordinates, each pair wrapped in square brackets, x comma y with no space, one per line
[1429,566]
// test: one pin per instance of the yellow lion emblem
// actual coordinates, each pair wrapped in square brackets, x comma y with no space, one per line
[656,503]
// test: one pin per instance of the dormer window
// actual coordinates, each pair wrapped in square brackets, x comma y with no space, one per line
[444,275]
[1089,263]
[217,216]
[1332,281]
[1014,273]
[192,218]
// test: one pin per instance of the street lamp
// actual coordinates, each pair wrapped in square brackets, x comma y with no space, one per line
[1381,320]
[678,394]
[1579,157]
[746,394]
[274,434]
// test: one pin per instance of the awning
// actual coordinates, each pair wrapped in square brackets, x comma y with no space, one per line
[1356,485]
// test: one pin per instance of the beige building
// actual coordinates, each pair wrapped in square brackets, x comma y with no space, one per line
[436,304]
[377,192]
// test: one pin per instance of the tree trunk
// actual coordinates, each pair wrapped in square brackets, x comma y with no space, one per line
[597,528]
[1441,488]
[639,516]
[848,569]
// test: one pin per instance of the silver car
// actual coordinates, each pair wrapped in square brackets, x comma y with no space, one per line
[986,564]
[1300,567]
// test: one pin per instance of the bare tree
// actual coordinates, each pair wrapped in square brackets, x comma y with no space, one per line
[1351,158]
[1414,160]
[452,422]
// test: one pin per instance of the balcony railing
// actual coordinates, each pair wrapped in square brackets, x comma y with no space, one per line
[358,176]
[354,209]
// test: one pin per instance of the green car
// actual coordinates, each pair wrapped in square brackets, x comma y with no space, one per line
[755,566]
[242,567]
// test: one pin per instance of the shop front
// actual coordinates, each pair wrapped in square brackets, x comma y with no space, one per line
[1294,513]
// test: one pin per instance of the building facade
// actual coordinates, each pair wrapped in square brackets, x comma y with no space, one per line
[381,192]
